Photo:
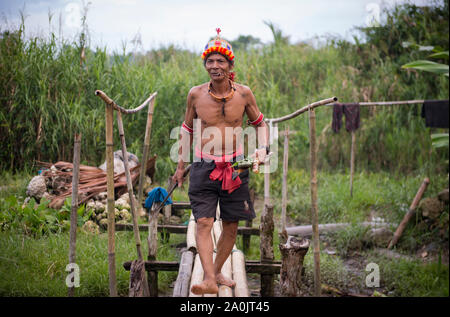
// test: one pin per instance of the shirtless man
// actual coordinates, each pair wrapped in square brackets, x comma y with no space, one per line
[219,105]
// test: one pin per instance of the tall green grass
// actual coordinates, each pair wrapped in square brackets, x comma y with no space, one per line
[36,267]
[47,94]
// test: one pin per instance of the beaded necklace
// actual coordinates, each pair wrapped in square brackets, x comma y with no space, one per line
[222,99]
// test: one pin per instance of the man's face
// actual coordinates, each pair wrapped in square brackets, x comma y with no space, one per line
[217,66]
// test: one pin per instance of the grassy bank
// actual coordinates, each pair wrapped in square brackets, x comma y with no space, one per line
[36,267]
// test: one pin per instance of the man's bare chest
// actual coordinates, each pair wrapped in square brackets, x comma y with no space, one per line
[214,113]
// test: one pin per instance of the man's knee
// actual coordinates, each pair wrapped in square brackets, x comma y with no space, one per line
[229,228]
[204,224]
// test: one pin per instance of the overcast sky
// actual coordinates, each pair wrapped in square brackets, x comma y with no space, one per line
[189,24]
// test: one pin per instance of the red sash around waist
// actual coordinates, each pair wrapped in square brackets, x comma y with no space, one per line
[223,171]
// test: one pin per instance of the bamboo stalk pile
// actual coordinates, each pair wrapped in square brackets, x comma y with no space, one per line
[92,180]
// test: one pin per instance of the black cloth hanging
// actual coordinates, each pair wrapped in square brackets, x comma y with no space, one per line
[435,113]
[351,113]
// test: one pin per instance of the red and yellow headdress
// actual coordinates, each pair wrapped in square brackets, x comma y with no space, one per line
[220,46]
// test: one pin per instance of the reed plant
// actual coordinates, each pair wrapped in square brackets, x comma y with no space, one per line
[47,95]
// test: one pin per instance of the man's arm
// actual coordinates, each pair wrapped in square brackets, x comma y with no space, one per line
[255,118]
[186,138]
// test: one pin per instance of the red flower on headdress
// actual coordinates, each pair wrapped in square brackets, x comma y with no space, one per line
[218,30]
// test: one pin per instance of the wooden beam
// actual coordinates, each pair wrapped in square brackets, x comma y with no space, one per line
[250,266]
[181,205]
[182,229]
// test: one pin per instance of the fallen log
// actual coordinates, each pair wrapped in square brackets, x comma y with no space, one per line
[411,211]
[306,230]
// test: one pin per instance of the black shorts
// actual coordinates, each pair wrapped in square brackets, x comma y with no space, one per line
[204,194]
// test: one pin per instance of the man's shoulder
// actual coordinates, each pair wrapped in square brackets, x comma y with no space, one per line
[198,89]
[243,89]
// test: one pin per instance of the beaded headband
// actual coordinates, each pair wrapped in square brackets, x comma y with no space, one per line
[220,46]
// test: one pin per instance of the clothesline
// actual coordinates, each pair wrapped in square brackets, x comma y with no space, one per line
[383,103]
[329,102]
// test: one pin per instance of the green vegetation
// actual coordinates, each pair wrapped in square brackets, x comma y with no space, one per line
[36,267]
[47,95]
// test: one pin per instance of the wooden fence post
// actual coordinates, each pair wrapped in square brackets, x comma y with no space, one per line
[314,207]
[74,209]
[352,162]
[282,232]
[110,200]
[145,152]
[266,249]
[152,248]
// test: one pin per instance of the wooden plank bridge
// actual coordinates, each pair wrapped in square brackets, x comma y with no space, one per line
[189,267]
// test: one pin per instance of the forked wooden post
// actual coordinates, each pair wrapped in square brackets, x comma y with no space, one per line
[314,208]
[74,209]
[137,237]
[110,200]
[110,105]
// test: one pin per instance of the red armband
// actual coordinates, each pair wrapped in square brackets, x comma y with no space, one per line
[186,128]
[257,121]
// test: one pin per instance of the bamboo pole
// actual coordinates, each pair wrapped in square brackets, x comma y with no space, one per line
[74,209]
[239,274]
[352,162]
[113,104]
[110,200]
[384,103]
[401,227]
[145,151]
[306,230]
[304,109]
[197,275]
[284,185]
[314,207]
[137,237]
[267,183]
[191,244]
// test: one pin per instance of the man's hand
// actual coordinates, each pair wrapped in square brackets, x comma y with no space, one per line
[260,154]
[178,177]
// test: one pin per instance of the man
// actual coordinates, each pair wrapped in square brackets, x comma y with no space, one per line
[218,107]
